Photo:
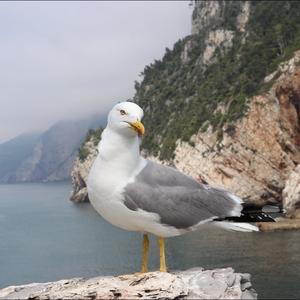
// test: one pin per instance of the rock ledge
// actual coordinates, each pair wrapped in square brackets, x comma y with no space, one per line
[190,284]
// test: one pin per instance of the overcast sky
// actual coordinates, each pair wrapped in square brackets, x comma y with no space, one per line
[66,60]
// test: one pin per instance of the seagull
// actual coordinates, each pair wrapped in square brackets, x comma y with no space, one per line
[137,194]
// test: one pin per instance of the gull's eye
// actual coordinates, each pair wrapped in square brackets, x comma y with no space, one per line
[122,112]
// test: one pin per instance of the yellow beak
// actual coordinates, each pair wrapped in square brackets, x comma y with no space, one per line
[138,127]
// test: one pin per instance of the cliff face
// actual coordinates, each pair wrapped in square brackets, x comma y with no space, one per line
[254,158]
[211,14]
[218,23]
[82,165]
[223,105]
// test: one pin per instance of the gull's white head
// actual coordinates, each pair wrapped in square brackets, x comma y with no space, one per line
[125,118]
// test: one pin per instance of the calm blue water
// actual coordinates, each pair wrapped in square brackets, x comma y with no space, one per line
[45,237]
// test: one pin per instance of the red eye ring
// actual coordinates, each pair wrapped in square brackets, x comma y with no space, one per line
[122,112]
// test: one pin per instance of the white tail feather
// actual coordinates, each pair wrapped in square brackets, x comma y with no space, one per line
[245,227]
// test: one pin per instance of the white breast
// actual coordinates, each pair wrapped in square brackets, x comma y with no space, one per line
[106,182]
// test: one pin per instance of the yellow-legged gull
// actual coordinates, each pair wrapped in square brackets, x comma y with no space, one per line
[136,194]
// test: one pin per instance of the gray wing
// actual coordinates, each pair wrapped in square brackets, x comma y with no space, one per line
[179,200]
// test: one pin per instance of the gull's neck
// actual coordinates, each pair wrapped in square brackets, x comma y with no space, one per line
[118,150]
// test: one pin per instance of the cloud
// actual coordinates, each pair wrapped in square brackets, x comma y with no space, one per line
[62,60]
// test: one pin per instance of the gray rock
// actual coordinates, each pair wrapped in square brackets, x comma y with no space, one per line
[190,284]
[80,172]
[291,194]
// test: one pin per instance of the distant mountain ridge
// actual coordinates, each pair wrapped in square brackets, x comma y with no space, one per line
[14,151]
[46,156]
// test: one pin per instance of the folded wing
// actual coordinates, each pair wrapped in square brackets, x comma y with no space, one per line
[179,200]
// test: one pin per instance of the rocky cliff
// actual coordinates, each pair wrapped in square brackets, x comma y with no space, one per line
[191,284]
[224,104]
[291,194]
[82,165]
[255,157]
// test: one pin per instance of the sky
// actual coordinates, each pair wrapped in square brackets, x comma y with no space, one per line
[67,60]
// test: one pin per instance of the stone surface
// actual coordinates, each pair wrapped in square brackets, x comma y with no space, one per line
[279,225]
[185,53]
[209,13]
[191,284]
[291,194]
[217,39]
[207,21]
[243,17]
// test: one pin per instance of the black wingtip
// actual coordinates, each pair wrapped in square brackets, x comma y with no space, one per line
[250,215]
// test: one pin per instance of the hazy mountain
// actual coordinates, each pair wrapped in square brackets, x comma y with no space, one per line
[14,151]
[47,156]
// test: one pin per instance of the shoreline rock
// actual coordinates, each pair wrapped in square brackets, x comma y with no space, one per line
[81,170]
[279,225]
[291,194]
[194,283]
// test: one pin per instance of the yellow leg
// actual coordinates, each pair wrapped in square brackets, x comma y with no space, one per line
[162,257]
[144,268]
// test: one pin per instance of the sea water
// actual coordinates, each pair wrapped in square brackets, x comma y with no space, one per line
[45,237]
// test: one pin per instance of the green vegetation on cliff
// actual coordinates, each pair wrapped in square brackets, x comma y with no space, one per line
[181,96]
[93,135]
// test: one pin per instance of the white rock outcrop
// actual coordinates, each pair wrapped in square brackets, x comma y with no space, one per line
[207,12]
[243,17]
[217,39]
[191,284]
